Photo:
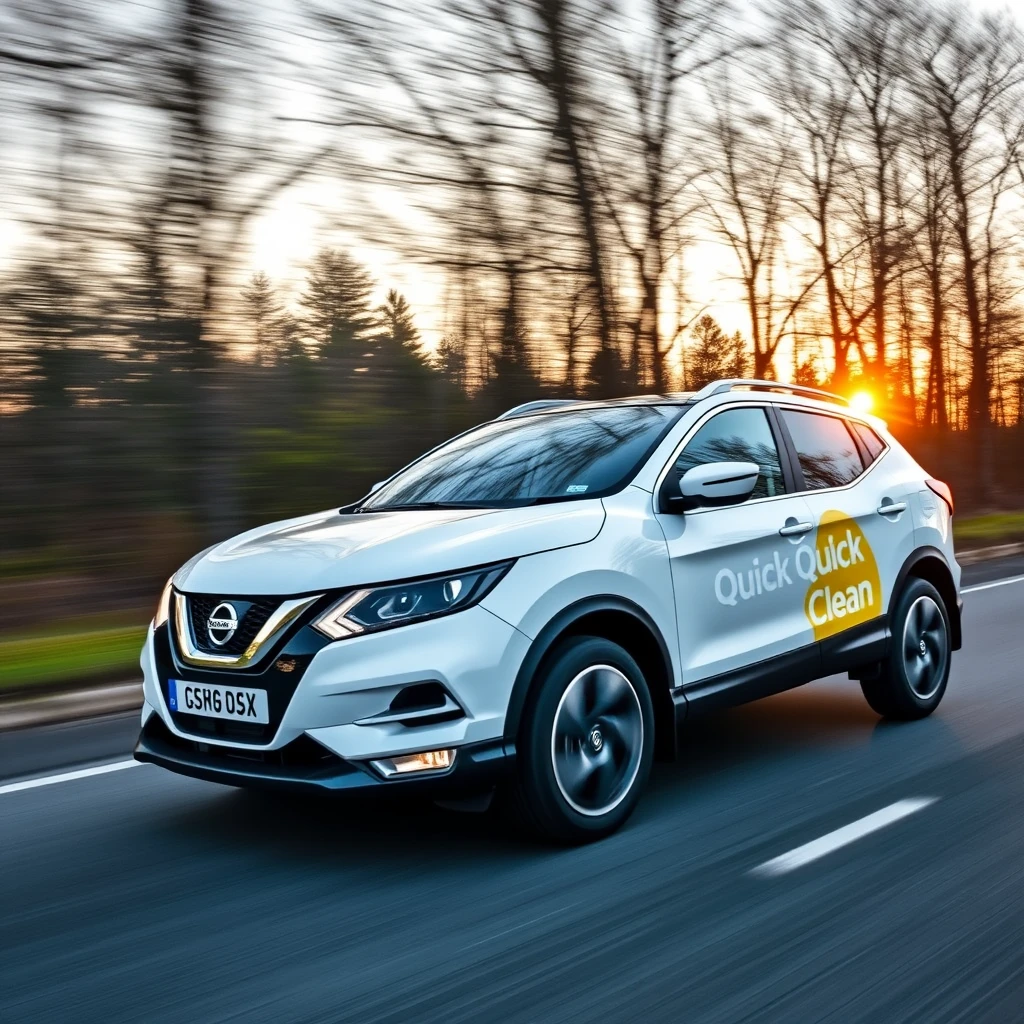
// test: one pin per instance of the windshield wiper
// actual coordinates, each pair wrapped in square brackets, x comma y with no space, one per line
[413,506]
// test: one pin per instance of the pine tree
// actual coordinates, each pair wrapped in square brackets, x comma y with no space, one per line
[400,337]
[396,320]
[737,363]
[452,361]
[337,317]
[713,354]
[264,311]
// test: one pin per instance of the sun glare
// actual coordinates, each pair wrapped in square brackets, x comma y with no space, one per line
[862,401]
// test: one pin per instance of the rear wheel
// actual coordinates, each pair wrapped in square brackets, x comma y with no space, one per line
[913,678]
[586,743]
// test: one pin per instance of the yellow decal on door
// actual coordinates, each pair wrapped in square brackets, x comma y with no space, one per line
[845,588]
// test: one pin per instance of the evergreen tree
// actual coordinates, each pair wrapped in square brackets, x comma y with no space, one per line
[264,312]
[737,361]
[396,320]
[807,374]
[336,313]
[452,361]
[713,354]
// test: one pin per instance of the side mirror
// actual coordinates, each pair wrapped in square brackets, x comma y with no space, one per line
[714,485]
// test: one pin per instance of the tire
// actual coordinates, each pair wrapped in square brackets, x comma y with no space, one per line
[586,743]
[913,677]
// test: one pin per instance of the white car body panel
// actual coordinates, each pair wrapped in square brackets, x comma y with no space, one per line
[327,551]
[627,560]
[719,555]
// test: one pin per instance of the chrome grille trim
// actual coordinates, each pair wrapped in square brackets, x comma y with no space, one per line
[287,612]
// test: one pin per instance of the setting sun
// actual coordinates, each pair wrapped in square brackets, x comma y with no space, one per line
[862,401]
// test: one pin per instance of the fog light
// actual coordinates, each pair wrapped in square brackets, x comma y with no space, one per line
[426,761]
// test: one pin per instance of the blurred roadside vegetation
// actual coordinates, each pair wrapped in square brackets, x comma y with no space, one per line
[41,661]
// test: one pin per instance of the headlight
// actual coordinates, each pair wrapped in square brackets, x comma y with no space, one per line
[163,607]
[365,611]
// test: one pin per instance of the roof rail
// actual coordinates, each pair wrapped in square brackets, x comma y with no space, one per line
[718,387]
[536,406]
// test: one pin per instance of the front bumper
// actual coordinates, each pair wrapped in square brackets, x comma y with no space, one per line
[338,699]
[477,768]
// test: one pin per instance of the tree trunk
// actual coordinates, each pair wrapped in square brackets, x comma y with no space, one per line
[562,89]
[978,386]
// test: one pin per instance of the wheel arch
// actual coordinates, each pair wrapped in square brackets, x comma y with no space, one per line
[624,623]
[930,564]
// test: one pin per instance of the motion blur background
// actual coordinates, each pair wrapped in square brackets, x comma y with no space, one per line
[255,256]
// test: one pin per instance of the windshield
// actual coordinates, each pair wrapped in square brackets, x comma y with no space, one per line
[575,453]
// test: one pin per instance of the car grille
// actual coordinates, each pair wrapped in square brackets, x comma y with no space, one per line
[252,614]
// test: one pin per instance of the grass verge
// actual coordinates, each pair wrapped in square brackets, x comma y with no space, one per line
[995,528]
[69,658]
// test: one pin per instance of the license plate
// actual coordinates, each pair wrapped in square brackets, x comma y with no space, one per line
[234,702]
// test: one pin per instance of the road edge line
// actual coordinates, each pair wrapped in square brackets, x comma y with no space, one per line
[80,773]
[840,837]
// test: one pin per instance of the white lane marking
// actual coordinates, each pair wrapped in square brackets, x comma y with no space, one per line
[841,837]
[989,586]
[82,773]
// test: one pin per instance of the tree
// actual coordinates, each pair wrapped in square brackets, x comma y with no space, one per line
[545,43]
[871,48]
[747,161]
[336,312]
[971,76]
[264,312]
[645,179]
[819,104]
[714,355]
[513,379]
[451,360]
[396,320]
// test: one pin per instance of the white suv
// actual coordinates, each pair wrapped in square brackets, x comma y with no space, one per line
[538,604]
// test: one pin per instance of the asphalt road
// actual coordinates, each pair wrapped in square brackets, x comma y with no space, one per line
[143,896]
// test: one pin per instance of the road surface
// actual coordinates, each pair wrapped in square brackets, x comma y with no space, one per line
[802,862]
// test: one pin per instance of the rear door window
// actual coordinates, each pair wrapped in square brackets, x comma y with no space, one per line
[827,452]
[870,441]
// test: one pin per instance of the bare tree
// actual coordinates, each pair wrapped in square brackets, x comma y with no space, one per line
[646,179]
[819,105]
[971,74]
[748,160]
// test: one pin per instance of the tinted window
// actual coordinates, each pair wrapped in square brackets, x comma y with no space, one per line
[827,453]
[872,443]
[737,435]
[574,453]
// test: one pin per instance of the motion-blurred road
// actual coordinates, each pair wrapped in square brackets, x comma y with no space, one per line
[142,896]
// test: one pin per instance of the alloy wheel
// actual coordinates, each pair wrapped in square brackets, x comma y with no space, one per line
[597,740]
[925,647]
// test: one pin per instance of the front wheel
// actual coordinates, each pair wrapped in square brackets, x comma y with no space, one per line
[586,742]
[913,678]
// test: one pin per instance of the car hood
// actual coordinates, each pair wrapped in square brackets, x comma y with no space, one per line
[329,550]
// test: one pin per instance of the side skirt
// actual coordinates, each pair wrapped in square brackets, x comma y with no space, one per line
[857,651]
[749,683]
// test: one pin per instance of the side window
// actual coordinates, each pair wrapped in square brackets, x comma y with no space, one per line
[737,435]
[827,453]
[870,441]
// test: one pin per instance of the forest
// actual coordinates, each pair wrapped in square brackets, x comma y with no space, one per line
[511,199]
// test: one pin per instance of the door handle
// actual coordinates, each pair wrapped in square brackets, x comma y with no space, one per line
[891,508]
[792,529]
